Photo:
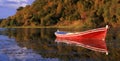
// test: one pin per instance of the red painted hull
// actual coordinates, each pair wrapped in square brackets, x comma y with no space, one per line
[91,39]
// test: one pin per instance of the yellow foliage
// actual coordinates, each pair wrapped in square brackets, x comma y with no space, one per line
[59,8]
[80,7]
[44,12]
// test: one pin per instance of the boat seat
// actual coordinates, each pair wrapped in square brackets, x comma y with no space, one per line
[61,32]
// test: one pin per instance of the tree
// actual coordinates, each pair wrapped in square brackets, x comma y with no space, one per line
[20,8]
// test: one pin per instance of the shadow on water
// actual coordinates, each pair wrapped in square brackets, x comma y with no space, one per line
[42,42]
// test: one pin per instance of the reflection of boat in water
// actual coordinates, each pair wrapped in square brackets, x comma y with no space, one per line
[92,39]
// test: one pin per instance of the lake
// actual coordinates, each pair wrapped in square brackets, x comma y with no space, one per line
[38,44]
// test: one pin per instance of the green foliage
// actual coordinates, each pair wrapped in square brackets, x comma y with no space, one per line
[50,12]
[4,23]
[87,4]
[118,11]
[20,8]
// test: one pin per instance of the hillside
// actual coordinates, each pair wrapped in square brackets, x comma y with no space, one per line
[85,13]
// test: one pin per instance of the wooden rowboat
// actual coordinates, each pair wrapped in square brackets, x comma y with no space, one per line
[91,39]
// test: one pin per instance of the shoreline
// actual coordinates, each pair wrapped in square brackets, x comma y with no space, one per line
[37,27]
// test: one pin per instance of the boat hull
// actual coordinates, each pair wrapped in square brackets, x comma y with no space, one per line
[96,35]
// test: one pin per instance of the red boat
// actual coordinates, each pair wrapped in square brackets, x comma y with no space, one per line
[92,39]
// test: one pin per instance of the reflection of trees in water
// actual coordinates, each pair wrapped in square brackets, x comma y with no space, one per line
[42,41]
[31,35]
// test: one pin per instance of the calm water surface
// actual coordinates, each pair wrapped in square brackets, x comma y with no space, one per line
[39,45]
